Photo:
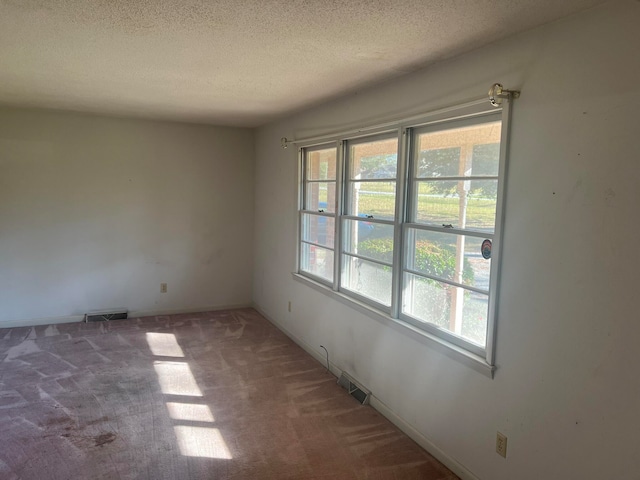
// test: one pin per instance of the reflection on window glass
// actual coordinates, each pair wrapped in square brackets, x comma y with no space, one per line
[445,162]
[451,308]
[466,151]
[377,199]
[318,229]
[474,317]
[427,300]
[321,196]
[377,159]
[368,239]
[463,204]
[436,254]
[368,279]
[317,261]
[321,164]
[441,162]
[485,159]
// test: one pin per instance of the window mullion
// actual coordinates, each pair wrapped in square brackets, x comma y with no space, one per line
[339,211]
[399,218]
[302,194]
[407,243]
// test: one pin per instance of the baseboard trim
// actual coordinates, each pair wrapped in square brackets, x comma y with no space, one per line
[451,463]
[318,355]
[178,311]
[34,322]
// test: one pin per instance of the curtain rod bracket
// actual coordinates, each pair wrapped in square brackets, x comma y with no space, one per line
[284,142]
[497,93]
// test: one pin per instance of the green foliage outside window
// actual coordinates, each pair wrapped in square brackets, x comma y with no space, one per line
[430,258]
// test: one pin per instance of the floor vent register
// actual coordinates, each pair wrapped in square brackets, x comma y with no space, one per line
[355,390]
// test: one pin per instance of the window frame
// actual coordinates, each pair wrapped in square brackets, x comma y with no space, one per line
[412,224]
[304,210]
[407,131]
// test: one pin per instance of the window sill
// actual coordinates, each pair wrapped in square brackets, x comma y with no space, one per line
[455,352]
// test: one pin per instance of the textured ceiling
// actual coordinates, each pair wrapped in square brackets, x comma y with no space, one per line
[235,62]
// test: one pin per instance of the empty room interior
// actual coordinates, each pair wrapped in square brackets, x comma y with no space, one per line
[319,239]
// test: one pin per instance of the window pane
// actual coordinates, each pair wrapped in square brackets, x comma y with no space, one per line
[369,239]
[463,204]
[369,279]
[321,196]
[373,198]
[440,162]
[455,309]
[377,159]
[317,260]
[486,159]
[318,229]
[427,300]
[452,257]
[462,151]
[321,164]
[474,317]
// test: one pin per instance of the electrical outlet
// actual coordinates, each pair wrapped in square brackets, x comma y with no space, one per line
[289,306]
[501,444]
[163,288]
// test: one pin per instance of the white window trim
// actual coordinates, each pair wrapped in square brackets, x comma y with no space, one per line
[483,360]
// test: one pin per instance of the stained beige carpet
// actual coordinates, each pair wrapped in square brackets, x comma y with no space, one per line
[216,395]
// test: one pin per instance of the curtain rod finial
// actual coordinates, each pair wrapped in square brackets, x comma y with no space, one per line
[497,93]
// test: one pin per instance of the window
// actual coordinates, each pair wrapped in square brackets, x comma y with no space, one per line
[407,222]
[452,219]
[318,217]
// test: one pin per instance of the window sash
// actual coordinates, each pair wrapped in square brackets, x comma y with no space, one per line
[347,214]
[448,134]
[308,246]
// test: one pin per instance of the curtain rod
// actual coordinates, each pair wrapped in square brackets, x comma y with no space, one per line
[496,94]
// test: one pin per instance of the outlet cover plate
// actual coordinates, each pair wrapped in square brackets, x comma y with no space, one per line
[501,444]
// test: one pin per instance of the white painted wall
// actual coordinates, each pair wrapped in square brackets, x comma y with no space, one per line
[96,212]
[567,391]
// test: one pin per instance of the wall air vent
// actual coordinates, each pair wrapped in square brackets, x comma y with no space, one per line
[355,390]
[106,315]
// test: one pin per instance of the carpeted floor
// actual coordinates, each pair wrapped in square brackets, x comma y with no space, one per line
[216,395]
